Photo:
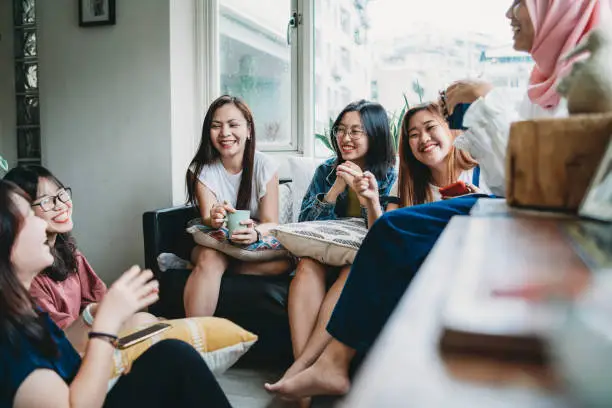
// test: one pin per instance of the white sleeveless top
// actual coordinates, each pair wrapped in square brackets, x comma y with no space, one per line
[225,185]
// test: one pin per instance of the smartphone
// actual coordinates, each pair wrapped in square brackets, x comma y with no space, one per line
[455,121]
[454,190]
[141,335]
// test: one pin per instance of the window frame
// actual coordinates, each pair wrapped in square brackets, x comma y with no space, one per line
[301,140]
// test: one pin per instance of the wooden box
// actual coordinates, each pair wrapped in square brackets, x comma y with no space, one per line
[550,162]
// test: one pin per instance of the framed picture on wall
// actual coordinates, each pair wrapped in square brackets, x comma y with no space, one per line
[96,12]
[597,203]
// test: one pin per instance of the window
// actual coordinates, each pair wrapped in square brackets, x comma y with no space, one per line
[26,82]
[255,64]
[349,49]
[393,51]
[345,21]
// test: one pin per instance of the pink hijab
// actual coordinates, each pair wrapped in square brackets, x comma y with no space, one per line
[559,26]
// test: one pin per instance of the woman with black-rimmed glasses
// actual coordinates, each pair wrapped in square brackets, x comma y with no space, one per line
[69,290]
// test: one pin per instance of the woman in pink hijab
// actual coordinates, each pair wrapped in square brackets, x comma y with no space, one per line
[403,238]
[548,30]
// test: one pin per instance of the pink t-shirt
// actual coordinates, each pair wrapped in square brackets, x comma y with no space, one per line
[65,300]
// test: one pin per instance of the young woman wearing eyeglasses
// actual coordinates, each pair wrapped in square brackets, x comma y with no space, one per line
[362,142]
[69,290]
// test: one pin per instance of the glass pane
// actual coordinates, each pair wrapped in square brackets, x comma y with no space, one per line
[28,112]
[28,143]
[384,50]
[24,12]
[255,63]
[26,77]
[25,43]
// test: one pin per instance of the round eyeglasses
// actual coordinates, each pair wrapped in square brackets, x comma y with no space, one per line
[49,203]
[354,134]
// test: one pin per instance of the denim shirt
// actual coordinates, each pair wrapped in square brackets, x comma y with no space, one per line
[314,206]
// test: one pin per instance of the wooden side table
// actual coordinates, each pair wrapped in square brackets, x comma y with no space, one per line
[406,368]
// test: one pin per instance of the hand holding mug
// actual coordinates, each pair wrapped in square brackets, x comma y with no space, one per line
[218,213]
[246,235]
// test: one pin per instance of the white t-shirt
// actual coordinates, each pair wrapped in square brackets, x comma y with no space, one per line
[466,176]
[225,185]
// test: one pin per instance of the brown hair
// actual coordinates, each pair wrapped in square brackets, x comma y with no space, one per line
[414,176]
[17,314]
[207,153]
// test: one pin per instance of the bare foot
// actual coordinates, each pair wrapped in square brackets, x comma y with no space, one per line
[322,378]
[296,368]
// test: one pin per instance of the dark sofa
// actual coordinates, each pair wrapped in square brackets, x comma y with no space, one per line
[257,303]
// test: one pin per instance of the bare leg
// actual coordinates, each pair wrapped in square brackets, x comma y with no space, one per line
[306,295]
[319,338]
[327,376]
[202,288]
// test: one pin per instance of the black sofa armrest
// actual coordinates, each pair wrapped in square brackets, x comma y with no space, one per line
[164,231]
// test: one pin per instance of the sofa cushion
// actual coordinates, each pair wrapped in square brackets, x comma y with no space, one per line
[219,341]
[302,169]
[332,242]
[267,249]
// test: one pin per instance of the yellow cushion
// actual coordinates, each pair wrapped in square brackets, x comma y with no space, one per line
[219,341]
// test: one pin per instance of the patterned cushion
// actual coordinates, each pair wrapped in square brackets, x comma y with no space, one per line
[285,203]
[269,248]
[333,242]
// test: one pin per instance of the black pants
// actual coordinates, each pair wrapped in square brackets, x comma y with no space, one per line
[169,374]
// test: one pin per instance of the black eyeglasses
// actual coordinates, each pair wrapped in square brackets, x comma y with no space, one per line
[49,203]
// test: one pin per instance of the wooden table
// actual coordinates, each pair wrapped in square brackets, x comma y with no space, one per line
[406,368]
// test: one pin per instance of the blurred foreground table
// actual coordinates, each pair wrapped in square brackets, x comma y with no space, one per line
[407,369]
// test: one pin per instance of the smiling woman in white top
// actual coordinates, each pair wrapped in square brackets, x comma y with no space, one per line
[227,174]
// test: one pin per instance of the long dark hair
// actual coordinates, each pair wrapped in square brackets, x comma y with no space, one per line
[414,176]
[17,312]
[375,122]
[207,154]
[65,249]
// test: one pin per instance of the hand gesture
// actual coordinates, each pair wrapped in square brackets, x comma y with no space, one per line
[245,236]
[366,187]
[134,290]
[347,171]
[466,91]
[218,212]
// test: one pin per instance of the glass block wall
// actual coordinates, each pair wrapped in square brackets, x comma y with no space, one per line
[26,82]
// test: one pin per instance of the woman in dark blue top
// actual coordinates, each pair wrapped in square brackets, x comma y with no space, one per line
[363,145]
[39,367]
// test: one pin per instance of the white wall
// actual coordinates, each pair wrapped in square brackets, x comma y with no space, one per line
[185,116]
[8,139]
[106,120]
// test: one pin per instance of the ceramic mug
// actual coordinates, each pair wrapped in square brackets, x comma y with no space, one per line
[235,218]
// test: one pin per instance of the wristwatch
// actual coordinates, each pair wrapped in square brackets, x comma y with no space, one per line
[258,235]
[87,316]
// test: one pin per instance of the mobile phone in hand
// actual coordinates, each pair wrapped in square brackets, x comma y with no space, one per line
[141,335]
[455,190]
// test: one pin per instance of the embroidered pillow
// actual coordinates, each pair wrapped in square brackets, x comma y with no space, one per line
[268,249]
[332,242]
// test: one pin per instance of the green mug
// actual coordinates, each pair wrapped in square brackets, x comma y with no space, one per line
[235,218]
